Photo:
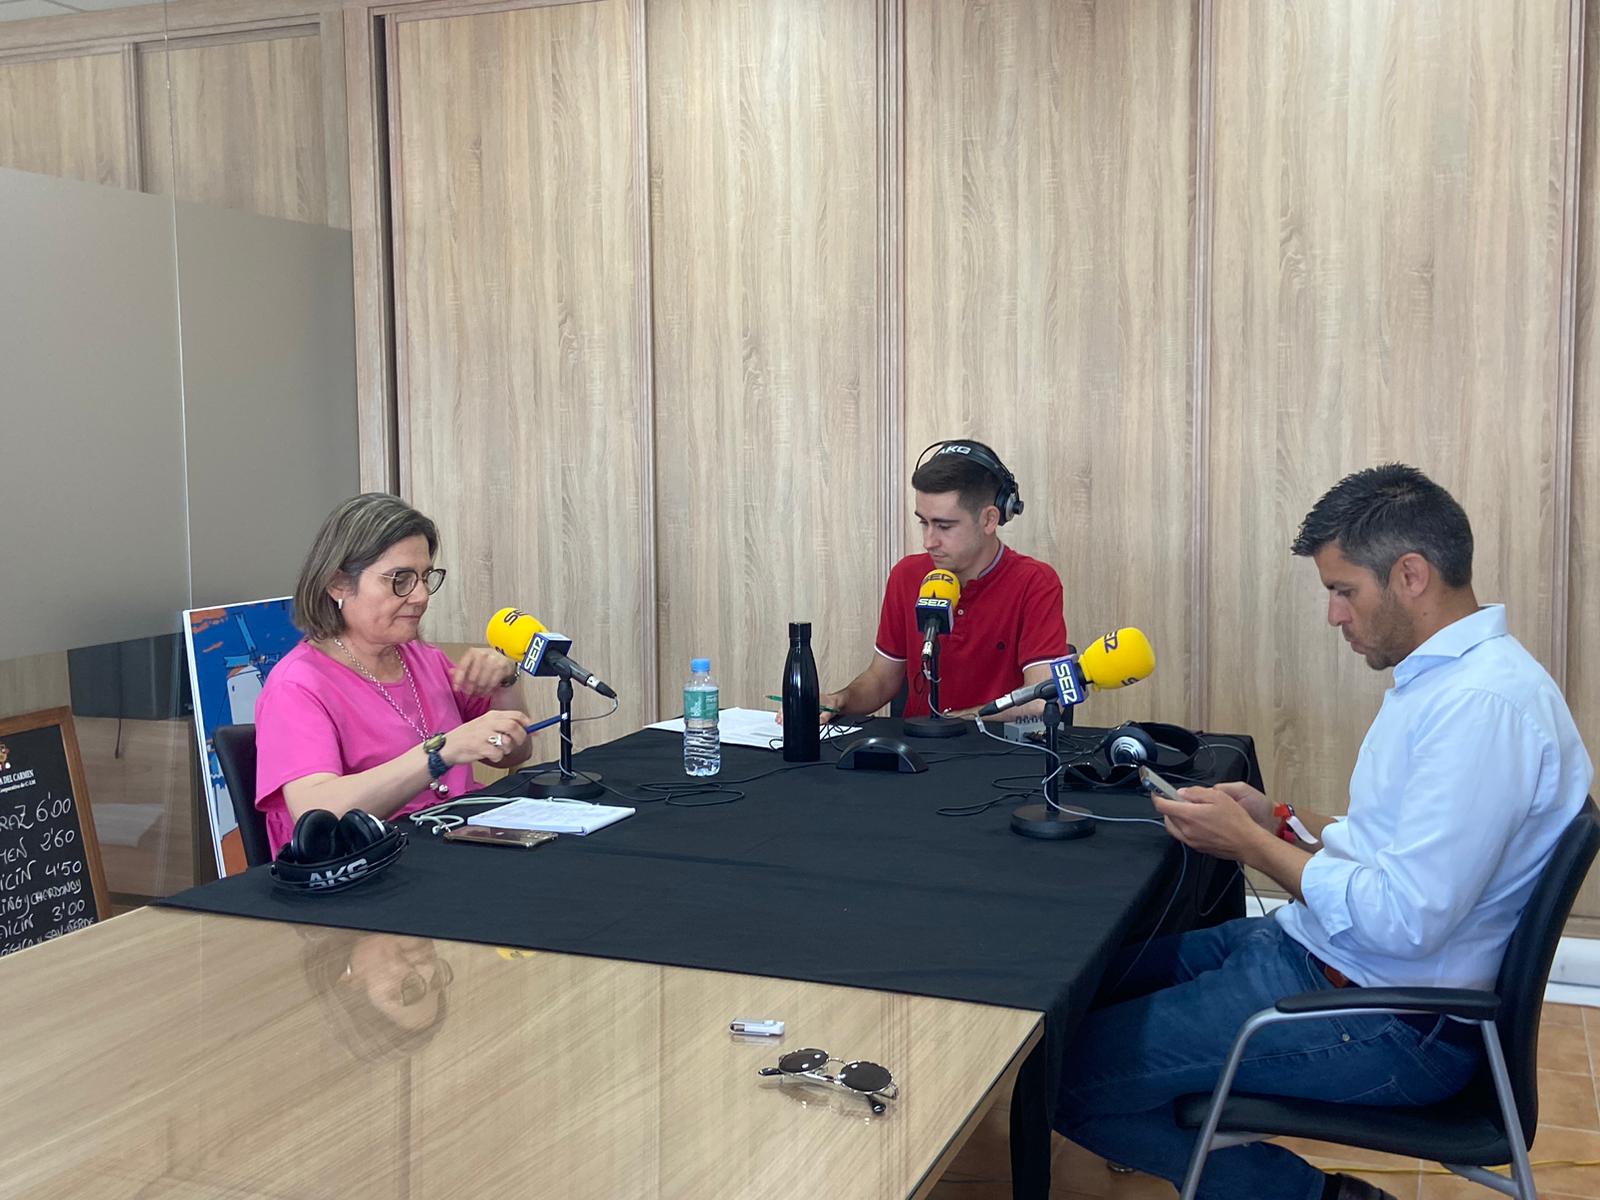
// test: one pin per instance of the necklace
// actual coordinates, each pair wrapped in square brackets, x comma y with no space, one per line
[438,786]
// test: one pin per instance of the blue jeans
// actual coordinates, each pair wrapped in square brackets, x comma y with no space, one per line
[1165,1030]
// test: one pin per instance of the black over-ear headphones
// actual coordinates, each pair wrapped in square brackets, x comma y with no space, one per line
[328,853]
[1007,498]
[1115,762]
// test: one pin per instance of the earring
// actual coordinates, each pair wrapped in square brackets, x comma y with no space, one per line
[340,603]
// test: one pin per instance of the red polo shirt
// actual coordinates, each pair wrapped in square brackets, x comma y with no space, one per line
[1007,619]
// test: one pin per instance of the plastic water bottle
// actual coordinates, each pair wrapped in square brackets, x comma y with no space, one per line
[702,740]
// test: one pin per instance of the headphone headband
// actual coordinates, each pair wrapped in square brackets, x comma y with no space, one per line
[1008,498]
[329,854]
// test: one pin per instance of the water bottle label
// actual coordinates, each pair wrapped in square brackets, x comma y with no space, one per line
[700,704]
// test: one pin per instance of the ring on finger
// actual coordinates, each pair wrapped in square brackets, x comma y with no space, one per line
[496,740]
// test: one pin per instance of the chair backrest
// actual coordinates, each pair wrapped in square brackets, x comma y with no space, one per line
[1526,967]
[236,755]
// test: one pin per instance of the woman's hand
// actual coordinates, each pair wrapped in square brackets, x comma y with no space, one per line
[491,738]
[482,672]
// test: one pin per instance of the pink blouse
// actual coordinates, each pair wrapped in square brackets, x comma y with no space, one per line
[317,716]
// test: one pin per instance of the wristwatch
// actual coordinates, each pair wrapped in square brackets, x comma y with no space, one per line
[510,680]
[436,763]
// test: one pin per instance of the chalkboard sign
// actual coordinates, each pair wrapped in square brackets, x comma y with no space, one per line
[51,881]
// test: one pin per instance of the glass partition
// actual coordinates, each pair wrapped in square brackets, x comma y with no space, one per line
[177,381]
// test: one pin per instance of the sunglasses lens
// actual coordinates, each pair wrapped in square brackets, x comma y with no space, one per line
[797,1062]
[865,1077]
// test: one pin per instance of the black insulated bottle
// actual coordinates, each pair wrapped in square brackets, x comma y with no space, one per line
[802,739]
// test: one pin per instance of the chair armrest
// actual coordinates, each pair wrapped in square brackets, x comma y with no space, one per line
[1446,1002]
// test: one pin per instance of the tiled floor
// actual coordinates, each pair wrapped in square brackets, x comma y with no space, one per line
[1569,1131]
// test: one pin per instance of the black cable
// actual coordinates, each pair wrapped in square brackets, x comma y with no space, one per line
[1183,870]
[674,794]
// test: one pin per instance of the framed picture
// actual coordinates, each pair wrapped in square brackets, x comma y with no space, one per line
[231,650]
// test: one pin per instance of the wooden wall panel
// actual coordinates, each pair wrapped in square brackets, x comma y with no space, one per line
[770,426]
[30,684]
[69,117]
[1048,294]
[246,116]
[1386,286]
[518,298]
[1583,614]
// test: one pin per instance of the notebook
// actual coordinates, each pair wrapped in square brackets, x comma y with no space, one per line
[552,816]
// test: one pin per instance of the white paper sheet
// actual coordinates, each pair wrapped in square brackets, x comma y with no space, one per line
[751,727]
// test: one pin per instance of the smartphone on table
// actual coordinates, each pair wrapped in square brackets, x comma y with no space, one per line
[490,835]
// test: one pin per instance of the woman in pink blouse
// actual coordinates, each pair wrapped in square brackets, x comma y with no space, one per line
[363,713]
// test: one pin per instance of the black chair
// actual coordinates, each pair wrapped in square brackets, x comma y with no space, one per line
[1492,1121]
[236,755]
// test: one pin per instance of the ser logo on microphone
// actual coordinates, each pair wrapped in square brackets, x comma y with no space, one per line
[1068,689]
[1110,643]
[539,643]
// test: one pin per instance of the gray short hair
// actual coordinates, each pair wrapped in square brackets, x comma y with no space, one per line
[355,535]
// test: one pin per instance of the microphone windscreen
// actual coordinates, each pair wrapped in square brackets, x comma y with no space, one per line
[510,630]
[1117,659]
[940,585]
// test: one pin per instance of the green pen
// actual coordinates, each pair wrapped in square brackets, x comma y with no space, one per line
[823,707]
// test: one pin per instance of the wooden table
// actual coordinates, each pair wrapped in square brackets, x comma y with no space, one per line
[180,1055]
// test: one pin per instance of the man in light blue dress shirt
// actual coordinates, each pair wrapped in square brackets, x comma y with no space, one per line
[1466,779]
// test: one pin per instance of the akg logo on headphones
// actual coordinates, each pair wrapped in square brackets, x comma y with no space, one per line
[338,876]
[953,448]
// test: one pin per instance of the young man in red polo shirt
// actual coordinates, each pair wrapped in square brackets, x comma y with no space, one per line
[1008,621]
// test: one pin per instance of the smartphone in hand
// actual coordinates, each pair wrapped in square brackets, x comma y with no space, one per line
[1155,783]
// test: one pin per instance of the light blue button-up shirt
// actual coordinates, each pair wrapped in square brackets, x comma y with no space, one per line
[1466,779]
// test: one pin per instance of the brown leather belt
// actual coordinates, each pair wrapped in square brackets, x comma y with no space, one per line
[1334,976]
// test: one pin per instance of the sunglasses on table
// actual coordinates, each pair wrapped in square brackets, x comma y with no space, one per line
[866,1079]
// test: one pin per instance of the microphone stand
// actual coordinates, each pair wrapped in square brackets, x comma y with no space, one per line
[564,783]
[1050,820]
[934,726]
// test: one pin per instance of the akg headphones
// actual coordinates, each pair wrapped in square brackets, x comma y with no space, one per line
[328,853]
[1007,498]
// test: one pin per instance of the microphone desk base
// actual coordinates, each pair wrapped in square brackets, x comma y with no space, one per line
[934,727]
[553,785]
[1042,821]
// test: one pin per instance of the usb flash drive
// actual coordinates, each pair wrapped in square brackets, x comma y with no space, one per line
[758,1028]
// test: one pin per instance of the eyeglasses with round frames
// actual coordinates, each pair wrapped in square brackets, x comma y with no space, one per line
[404,581]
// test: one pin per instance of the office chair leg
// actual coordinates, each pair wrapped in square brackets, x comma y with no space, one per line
[1219,1097]
[1521,1169]
[1489,1179]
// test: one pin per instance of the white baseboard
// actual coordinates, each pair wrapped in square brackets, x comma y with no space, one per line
[1574,976]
